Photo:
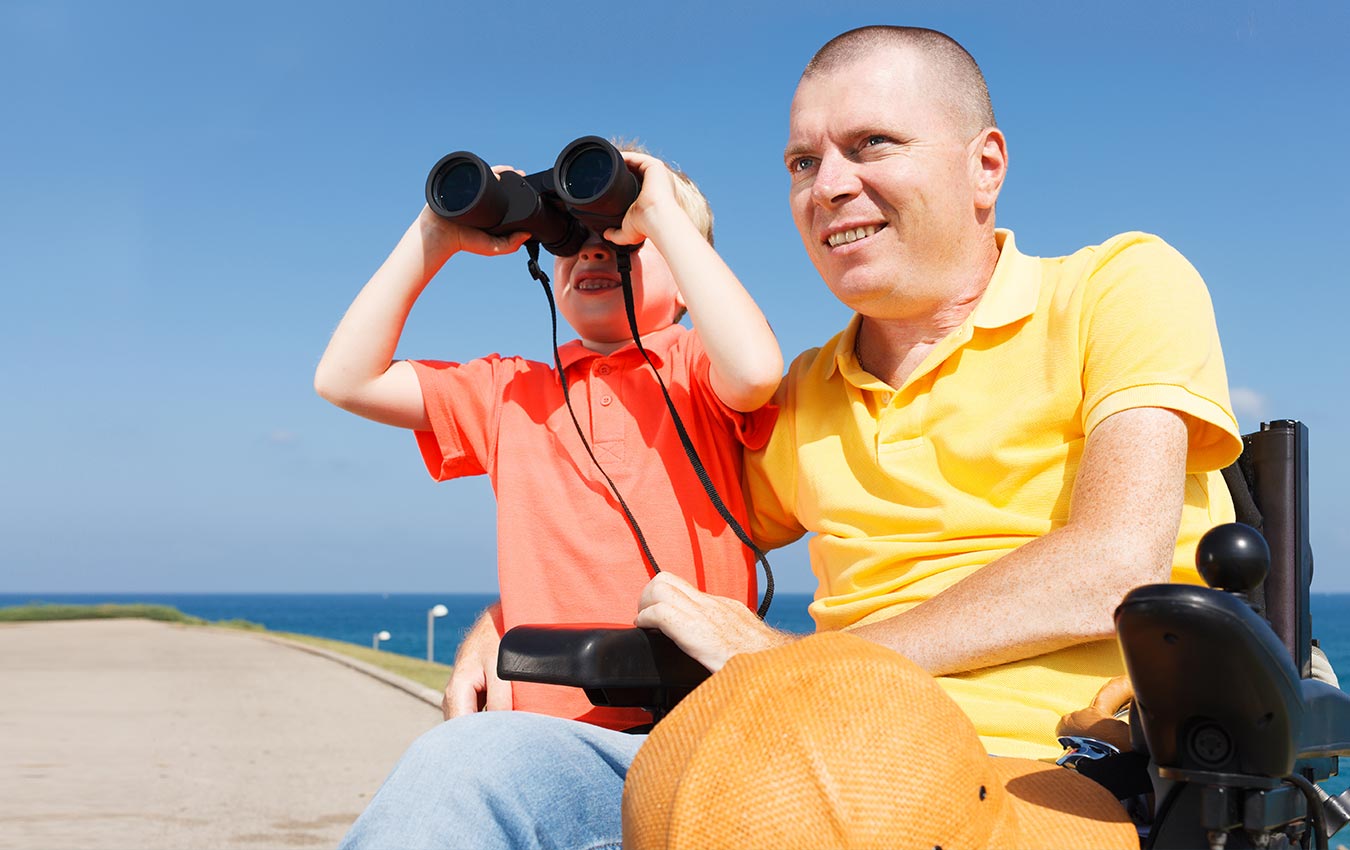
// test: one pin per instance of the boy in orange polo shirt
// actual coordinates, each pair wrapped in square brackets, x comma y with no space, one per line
[565,551]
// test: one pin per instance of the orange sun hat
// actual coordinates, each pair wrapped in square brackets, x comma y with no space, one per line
[834,741]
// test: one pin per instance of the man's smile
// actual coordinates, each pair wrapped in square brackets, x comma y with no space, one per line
[852,234]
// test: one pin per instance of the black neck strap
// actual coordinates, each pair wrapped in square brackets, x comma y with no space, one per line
[532,247]
[625,262]
[623,256]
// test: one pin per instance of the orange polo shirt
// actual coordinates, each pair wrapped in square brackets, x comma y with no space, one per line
[565,552]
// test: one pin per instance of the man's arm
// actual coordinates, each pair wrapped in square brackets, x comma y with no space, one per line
[1061,589]
[1051,593]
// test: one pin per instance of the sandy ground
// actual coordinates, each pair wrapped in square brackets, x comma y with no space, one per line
[132,734]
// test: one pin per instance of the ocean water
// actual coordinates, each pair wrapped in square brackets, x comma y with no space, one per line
[358,617]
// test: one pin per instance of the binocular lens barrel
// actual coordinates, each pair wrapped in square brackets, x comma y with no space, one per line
[595,183]
[587,173]
[589,189]
[458,185]
[462,188]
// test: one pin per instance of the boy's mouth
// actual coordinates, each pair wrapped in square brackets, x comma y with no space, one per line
[595,283]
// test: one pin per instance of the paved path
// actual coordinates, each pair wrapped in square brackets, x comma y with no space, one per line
[122,734]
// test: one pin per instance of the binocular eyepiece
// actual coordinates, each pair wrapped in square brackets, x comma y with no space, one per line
[588,190]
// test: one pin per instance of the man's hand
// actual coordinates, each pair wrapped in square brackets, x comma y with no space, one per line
[474,685]
[709,628]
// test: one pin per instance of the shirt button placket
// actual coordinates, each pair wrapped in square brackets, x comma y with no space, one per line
[607,422]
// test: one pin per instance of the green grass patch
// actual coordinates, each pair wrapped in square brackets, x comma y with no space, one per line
[105,611]
[427,673]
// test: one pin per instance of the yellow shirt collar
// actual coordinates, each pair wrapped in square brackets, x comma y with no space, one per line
[1011,296]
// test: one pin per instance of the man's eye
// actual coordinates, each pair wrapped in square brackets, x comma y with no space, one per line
[875,140]
[801,163]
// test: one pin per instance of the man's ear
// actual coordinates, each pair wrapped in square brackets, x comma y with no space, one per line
[989,164]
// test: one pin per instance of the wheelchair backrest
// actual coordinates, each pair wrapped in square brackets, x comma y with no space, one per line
[1271,494]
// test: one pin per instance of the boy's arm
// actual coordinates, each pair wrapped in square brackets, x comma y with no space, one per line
[473,684]
[746,361]
[358,372]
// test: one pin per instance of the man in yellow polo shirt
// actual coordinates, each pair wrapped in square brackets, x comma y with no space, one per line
[913,488]
[998,447]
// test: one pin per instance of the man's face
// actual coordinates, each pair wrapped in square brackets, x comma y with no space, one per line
[591,299]
[883,184]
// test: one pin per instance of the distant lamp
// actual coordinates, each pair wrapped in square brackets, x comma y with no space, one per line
[438,611]
[379,636]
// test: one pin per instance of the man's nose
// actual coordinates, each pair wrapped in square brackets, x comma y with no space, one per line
[595,249]
[836,180]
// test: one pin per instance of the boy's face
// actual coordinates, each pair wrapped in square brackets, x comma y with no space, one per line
[590,296]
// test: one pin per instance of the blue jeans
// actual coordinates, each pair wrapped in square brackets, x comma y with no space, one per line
[502,779]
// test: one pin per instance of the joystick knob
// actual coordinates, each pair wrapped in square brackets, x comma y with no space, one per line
[1233,557]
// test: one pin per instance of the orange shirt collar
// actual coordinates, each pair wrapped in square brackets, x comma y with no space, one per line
[656,343]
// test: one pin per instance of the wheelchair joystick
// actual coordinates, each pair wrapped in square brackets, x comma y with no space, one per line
[1233,557]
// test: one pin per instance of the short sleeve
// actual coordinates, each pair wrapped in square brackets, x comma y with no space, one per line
[771,470]
[462,403]
[1149,339]
[752,428]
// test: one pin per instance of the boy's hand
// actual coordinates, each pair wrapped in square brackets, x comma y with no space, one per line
[449,238]
[474,685]
[655,203]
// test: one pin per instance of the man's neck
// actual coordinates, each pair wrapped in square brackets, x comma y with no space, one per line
[892,348]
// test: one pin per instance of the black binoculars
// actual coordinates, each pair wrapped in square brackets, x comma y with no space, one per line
[588,190]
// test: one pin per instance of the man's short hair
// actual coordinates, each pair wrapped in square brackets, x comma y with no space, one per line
[963,86]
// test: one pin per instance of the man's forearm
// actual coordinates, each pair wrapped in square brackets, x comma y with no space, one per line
[1032,601]
[1061,589]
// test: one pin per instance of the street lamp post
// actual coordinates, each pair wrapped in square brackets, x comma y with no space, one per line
[379,636]
[438,611]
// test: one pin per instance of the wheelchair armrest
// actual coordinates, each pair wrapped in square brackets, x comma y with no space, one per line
[1225,716]
[1216,689]
[615,665]
[1326,721]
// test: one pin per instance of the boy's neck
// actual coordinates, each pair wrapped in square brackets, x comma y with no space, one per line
[605,348]
[608,348]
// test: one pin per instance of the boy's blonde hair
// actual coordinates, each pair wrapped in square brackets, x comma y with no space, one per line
[691,198]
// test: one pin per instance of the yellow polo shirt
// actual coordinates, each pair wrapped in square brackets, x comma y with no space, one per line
[909,490]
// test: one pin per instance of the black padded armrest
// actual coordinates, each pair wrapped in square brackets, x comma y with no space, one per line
[1326,720]
[1216,688]
[616,665]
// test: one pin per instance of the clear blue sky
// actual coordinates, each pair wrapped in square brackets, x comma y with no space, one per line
[192,194]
